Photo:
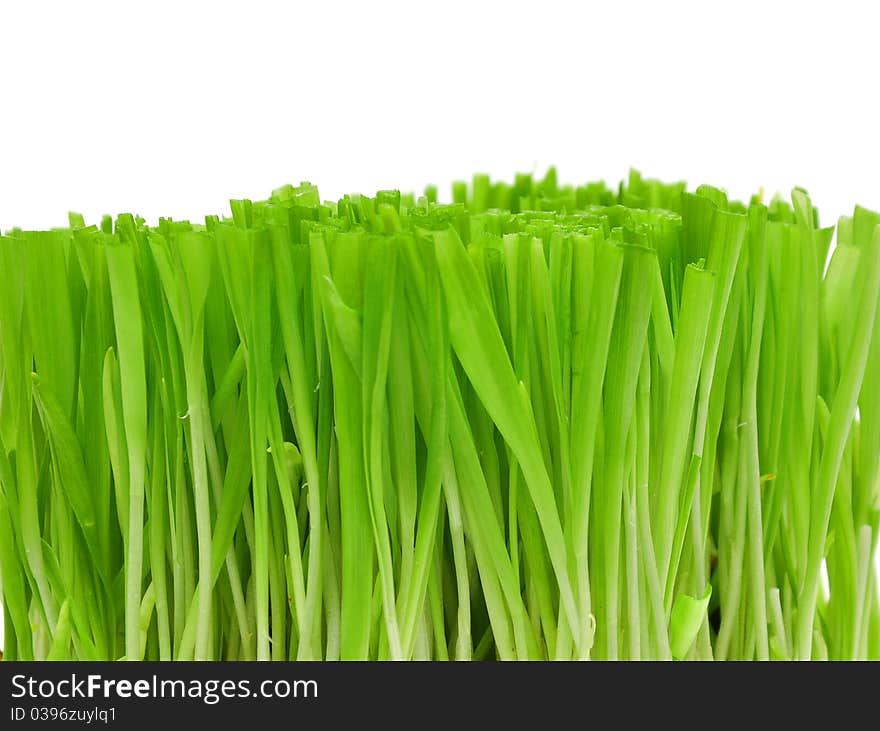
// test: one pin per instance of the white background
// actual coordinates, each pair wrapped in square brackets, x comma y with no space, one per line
[171,108]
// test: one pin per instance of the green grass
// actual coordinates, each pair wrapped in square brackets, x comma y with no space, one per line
[540,422]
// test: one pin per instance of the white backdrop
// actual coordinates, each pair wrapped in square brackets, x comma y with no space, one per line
[171,108]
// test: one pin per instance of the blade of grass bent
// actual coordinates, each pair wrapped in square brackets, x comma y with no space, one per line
[478,344]
[842,411]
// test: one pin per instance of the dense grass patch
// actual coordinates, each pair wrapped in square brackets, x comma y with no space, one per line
[541,421]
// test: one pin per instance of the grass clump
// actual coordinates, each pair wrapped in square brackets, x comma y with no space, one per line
[540,422]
